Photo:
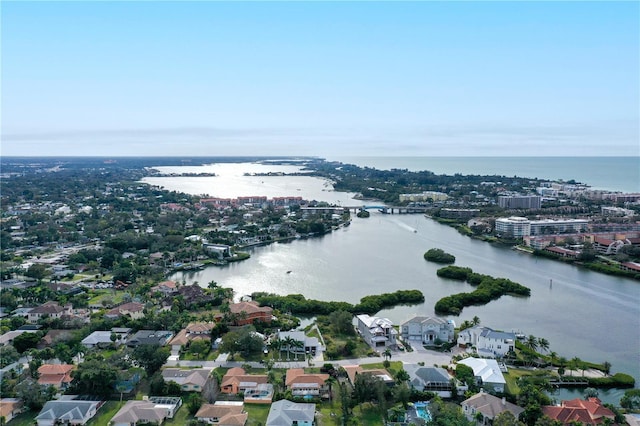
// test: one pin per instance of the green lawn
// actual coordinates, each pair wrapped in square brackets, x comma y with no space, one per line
[394,366]
[105,413]
[24,419]
[258,413]
[97,296]
[181,417]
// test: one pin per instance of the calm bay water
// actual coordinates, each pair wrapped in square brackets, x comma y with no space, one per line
[593,316]
[610,173]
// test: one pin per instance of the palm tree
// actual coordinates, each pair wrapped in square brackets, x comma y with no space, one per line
[543,344]
[531,342]
[330,382]
[606,367]
[288,342]
[387,354]
[475,320]
[562,362]
[297,344]
[276,345]
[575,364]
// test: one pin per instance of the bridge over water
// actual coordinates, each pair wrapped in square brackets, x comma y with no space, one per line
[390,209]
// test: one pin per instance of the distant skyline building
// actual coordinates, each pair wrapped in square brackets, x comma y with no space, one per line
[530,202]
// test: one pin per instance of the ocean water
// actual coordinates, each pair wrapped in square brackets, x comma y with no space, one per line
[607,173]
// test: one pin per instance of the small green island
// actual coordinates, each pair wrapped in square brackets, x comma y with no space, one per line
[363,214]
[487,289]
[439,256]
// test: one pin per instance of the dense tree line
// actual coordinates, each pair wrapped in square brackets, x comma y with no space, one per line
[488,288]
[298,304]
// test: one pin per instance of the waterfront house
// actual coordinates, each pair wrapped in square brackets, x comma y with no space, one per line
[67,411]
[192,380]
[487,373]
[588,412]
[432,379]
[310,345]
[166,288]
[302,384]
[489,407]
[56,375]
[236,380]
[428,330]
[223,413]
[379,333]
[248,312]
[488,342]
[287,413]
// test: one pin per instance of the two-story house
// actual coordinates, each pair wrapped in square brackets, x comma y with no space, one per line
[236,380]
[48,310]
[302,384]
[428,330]
[488,342]
[248,312]
[379,333]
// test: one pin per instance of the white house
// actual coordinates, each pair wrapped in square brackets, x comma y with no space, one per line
[377,332]
[67,412]
[488,342]
[287,413]
[428,330]
[487,373]
[311,344]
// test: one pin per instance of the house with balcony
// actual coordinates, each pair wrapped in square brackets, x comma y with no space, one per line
[248,312]
[428,330]
[51,310]
[488,342]
[310,345]
[433,379]
[379,333]
[56,375]
[237,380]
[302,384]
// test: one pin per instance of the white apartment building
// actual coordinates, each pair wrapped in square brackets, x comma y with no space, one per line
[515,226]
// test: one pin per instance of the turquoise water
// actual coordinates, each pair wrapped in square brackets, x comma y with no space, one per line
[422,410]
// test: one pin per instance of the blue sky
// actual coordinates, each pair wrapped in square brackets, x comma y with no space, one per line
[320,78]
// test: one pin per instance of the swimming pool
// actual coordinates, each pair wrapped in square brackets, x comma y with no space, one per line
[422,410]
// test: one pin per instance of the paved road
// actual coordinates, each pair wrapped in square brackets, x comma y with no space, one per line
[419,354]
